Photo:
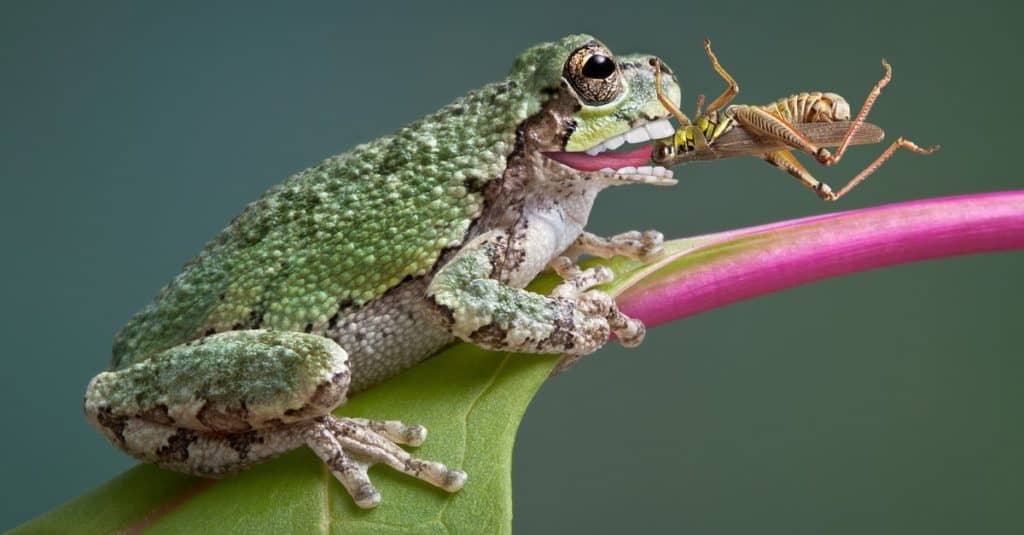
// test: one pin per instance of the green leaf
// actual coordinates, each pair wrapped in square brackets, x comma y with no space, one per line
[471,401]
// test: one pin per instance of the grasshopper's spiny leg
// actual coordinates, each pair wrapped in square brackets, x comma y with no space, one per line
[898,144]
[785,160]
[829,159]
[675,111]
[731,91]
[764,123]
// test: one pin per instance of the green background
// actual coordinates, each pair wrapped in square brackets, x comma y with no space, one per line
[884,402]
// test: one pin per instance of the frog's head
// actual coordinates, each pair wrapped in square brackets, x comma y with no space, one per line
[601,110]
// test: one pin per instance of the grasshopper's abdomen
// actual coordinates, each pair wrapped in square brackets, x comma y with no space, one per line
[814,107]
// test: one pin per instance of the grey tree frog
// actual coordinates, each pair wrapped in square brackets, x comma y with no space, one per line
[359,267]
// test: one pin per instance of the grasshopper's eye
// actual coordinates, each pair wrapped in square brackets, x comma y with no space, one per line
[664,151]
[593,74]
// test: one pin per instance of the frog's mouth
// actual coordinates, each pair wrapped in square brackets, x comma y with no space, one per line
[616,157]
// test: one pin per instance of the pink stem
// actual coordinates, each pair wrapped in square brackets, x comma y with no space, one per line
[750,262]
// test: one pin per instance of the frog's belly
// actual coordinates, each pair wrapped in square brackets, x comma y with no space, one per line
[388,335]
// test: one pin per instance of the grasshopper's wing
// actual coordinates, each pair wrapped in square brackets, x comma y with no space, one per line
[740,142]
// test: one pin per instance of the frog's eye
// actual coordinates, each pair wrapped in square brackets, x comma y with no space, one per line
[593,74]
[599,67]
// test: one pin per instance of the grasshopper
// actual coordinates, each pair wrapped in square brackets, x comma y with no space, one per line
[804,121]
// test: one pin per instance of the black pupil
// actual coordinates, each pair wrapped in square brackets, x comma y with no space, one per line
[599,67]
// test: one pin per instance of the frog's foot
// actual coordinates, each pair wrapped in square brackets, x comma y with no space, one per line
[577,286]
[643,246]
[349,446]
[469,297]
[575,281]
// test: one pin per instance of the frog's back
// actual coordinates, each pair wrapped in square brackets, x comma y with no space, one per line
[339,234]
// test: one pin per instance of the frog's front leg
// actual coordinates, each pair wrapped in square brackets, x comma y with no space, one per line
[577,283]
[233,399]
[473,299]
[634,244]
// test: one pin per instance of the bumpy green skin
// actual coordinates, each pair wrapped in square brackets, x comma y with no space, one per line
[344,232]
[269,371]
[355,269]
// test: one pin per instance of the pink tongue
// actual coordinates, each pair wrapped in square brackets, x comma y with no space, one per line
[616,160]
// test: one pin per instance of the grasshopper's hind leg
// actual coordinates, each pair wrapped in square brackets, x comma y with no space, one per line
[825,158]
[766,124]
[900,143]
[829,159]
[785,160]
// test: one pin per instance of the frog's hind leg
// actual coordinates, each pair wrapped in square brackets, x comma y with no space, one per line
[197,452]
[230,400]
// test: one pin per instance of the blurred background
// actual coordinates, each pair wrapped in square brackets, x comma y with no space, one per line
[884,402]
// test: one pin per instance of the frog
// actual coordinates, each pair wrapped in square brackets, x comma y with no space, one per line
[355,269]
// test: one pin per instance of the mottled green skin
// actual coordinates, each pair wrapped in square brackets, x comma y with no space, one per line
[362,266]
[348,230]
[276,370]
[342,232]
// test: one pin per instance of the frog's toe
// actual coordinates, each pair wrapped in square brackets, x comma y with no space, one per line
[576,280]
[455,480]
[366,496]
[396,431]
[350,445]
[643,246]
